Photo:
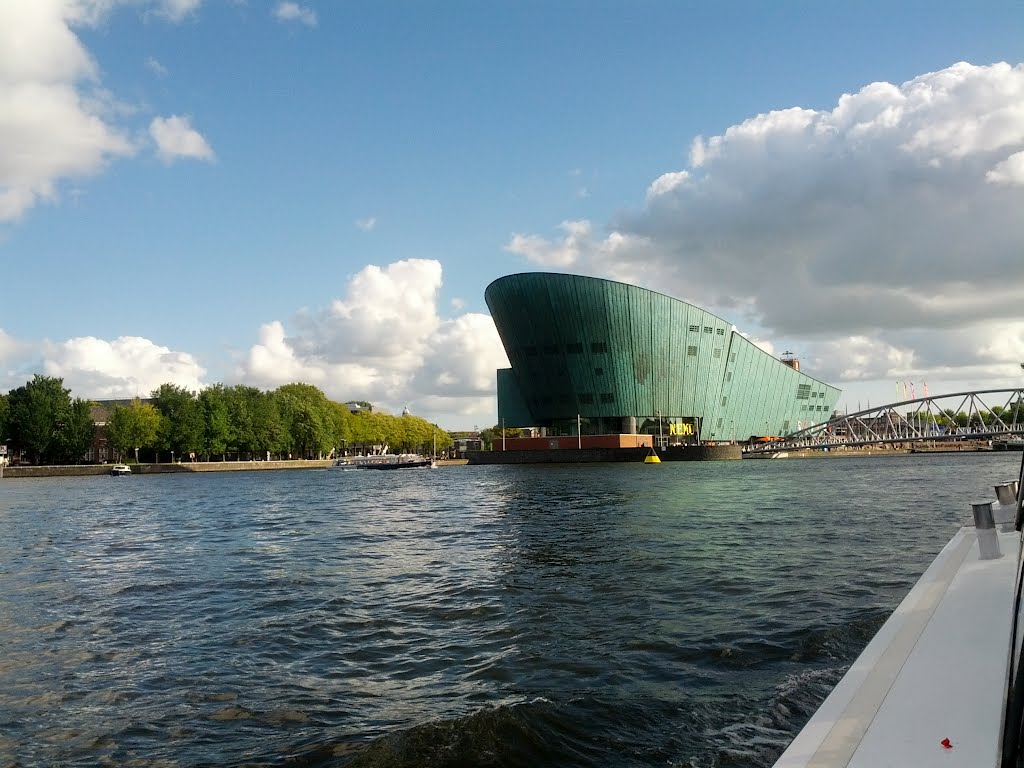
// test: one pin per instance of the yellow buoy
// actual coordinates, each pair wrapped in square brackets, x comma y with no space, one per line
[652,458]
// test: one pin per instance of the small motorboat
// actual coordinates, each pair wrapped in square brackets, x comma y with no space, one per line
[120,469]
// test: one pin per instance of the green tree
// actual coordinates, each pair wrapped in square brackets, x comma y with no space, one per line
[181,420]
[308,417]
[440,439]
[133,427]
[240,401]
[38,412]
[216,427]
[268,427]
[492,436]
[75,432]
[5,410]
[368,430]
[340,426]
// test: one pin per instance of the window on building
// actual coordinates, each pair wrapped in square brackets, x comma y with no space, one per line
[607,397]
[598,347]
[586,398]
[716,353]
[719,425]
[694,329]
[574,348]
[803,391]
[720,331]
[728,375]
[732,358]
[691,351]
[725,400]
[708,329]
[599,371]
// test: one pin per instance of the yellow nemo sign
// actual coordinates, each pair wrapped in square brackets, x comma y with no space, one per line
[683,430]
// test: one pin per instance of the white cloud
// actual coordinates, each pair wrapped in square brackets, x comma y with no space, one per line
[384,341]
[10,350]
[867,235]
[51,127]
[666,183]
[125,367]
[552,254]
[175,137]
[367,225]
[288,11]
[1009,171]
[156,67]
[57,123]
[176,10]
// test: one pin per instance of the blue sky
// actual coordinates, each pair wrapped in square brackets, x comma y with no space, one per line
[259,192]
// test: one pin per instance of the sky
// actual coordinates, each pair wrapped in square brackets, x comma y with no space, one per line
[260,192]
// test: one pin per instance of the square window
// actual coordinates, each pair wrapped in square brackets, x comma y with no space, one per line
[599,371]
[720,331]
[716,353]
[694,329]
[598,347]
[691,351]
[708,329]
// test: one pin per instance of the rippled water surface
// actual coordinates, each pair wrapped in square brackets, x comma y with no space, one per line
[687,614]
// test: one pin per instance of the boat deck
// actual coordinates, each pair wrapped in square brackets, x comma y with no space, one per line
[937,670]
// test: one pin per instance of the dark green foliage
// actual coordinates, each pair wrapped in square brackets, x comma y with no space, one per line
[216,425]
[5,410]
[43,420]
[182,425]
[294,420]
[492,435]
[75,435]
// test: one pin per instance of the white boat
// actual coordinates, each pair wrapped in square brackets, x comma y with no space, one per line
[120,469]
[940,684]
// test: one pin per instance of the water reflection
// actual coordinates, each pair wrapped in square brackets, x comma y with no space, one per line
[615,614]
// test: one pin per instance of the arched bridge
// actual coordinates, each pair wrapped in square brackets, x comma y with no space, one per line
[990,414]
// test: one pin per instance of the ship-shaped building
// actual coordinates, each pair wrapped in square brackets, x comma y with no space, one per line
[597,357]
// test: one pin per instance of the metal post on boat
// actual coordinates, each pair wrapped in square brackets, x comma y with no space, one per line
[984,524]
[1005,514]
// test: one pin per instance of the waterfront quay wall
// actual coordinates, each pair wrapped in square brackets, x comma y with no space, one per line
[594,455]
[161,469]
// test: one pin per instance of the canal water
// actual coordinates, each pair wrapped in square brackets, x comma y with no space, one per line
[682,614]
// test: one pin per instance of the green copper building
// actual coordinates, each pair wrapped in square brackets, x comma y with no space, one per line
[618,359]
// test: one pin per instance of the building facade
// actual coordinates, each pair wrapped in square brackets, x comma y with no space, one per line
[593,356]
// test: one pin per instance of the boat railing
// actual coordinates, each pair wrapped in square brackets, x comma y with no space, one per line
[1014,719]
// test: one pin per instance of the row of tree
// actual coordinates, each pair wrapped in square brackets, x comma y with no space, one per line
[295,420]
